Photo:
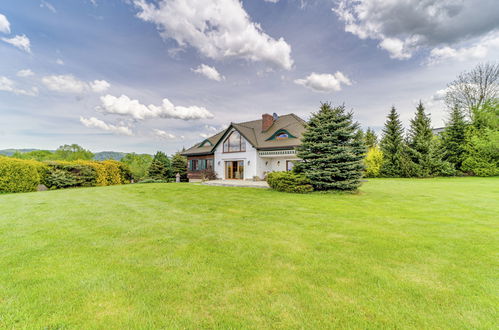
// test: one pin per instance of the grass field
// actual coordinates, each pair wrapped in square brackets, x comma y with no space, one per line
[400,254]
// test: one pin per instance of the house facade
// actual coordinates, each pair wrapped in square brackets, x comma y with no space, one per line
[248,150]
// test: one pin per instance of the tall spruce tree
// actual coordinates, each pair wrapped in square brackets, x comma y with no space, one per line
[454,138]
[393,146]
[419,142]
[371,140]
[332,150]
[160,168]
[179,165]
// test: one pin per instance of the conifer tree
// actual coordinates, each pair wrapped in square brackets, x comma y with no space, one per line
[160,168]
[454,138]
[332,150]
[179,165]
[419,142]
[393,146]
[371,140]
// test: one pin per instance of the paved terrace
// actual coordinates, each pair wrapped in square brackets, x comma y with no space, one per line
[237,183]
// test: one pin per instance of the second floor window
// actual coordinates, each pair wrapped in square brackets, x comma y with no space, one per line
[234,143]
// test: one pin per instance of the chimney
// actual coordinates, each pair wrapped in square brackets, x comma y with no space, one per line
[267,121]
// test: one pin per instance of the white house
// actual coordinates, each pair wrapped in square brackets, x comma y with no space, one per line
[249,150]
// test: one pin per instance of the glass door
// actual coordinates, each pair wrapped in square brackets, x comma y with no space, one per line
[234,169]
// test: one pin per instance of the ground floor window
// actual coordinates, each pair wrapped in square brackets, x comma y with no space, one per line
[200,164]
[289,165]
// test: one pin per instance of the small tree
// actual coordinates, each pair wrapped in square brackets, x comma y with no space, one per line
[393,146]
[179,165]
[373,161]
[160,168]
[331,150]
[138,164]
[371,139]
[454,138]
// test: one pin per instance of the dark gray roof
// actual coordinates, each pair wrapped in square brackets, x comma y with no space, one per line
[252,131]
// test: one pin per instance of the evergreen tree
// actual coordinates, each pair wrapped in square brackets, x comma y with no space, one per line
[454,138]
[332,150]
[393,147]
[371,140]
[179,165]
[419,142]
[160,168]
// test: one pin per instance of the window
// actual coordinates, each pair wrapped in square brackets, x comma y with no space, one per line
[194,164]
[282,136]
[209,164]
[234,143]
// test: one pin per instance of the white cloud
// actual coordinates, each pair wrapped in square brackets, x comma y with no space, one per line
[4,24]
[402,27]
[476,51]
[8,85]
[25,73]
[164,135]
[209,72]
[97,123]
[217,29]
[99,86]
[205,135]
[125,106]
[48,5]
[59,61]
[21,42]
[324,82]
[70,84]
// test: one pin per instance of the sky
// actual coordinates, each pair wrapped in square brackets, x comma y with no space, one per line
[143,75]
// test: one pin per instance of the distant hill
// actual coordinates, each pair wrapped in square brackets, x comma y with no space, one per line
[103,155]
[10,152]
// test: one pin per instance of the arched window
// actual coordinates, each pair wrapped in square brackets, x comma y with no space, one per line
[234,143]
[282,136]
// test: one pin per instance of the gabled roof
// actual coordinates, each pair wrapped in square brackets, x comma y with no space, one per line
[252,131]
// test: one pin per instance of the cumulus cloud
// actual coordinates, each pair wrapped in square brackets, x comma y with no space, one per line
[99,86]
[209,72]
[25,73]
[402,27]
[4,24]
[164,135]
[324,82]
[7,85]
[70,84]
[476,51]
[125,106]
[93,122]
[22,42]
[217,29]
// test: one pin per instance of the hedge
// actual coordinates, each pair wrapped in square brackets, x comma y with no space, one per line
[289,182]
[18,175]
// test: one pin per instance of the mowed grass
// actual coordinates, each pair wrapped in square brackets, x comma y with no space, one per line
[400,254]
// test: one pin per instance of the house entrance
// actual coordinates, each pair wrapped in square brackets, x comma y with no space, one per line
[234,169]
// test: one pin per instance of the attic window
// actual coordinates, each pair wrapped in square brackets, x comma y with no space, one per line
[205,142]
[281,134]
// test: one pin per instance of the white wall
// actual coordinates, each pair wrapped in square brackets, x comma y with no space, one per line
[250,155]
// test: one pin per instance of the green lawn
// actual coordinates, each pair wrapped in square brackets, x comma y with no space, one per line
[401,254]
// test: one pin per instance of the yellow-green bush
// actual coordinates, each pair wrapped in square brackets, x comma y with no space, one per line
[113,172]
[100,171]
[373,162]
[18,175]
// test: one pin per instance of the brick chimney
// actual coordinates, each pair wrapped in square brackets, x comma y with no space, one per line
[267,121]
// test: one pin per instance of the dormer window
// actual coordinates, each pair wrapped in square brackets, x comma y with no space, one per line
[281,134]
[205,143]
[234,143]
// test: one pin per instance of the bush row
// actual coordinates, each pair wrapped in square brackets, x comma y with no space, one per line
[17,175]
[289,182]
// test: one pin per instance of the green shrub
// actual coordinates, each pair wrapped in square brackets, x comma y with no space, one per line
[289,182]
[100,171]
[482,153]
[373,162]
[18,175]
[76,175]
[125,172]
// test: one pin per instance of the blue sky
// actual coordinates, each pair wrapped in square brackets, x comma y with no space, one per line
[97,73]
